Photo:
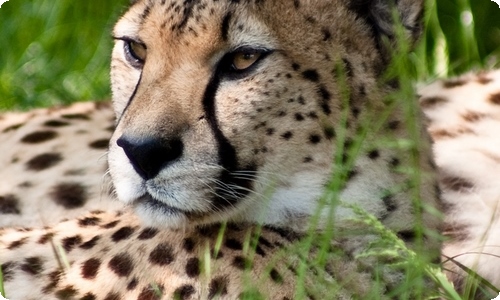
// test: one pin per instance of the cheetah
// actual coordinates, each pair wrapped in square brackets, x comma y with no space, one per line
[463,114]
[227,120]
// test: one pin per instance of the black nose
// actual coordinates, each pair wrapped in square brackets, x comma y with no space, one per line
[149,156]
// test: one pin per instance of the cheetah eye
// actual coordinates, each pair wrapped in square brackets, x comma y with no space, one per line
[135,53]
[244,59]
[240,62]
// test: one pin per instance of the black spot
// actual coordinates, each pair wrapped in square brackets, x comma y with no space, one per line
[472,117]
[208,230]
[132,284]
[76,117]
[13,127]
[355,112]
[270,131]
[90,268]
[122,234]
[260,251]
[326,34]
[312,115]
[99,144]
[311,75]
[482,79]
[121,264]
[307,159]
[45,238]
[9,204]
[113,296]
[69,243]
[495,98]
[311,19]
[325,96]
[188,245]
[276,276]
[54,278]
[55,123]
[162,255]
[351,173]
[429,102]
[314,139]
[290,235]
[110,224]
[193,267]
[329,132]
[148,233]
[407,235]
[233,244]
[39,137]
[7,270]
[456,184]
[17,244]
[287,135]
[32,265]
[389,203]
[89,221]
[453,83]
[70,195]
[374,154]
[241,263]
[218,287]
[348,67]
[90,243]
[88,296]
[299,117]
[281,113]
[25,184]
[145,13]
[184,292]
[295,66]
[43,161]
[393,125]
[152,292]
[66,293]
[217,254]
[394,162]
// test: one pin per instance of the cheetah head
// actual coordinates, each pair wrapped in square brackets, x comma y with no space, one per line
[229,109]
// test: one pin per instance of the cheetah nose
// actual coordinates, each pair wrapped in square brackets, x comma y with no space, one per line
[148,156]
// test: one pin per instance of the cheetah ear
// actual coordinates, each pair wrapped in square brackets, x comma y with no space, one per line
[379,16]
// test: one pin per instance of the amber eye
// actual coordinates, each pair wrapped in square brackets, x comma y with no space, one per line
[135,53]
[244,60]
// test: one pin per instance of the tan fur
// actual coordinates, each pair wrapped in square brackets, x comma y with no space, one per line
[464,120]
[79,163]
[314,97]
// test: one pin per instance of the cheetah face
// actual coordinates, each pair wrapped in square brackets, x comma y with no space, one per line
[225,111]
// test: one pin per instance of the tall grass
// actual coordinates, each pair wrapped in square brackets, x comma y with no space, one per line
[57,51]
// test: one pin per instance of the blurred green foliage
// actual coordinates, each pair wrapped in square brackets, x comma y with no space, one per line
[58,51]
[469,32]
[55,51]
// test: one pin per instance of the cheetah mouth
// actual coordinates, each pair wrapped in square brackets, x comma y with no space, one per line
[149,202]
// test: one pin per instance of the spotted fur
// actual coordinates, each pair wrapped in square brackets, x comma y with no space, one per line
[463,115]
[198,142]
[67,145]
